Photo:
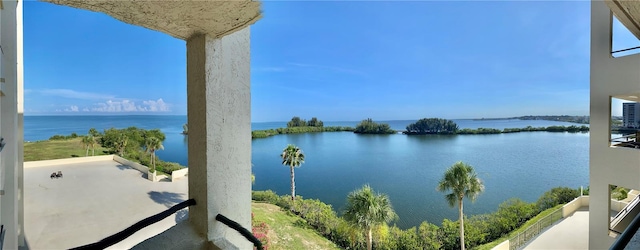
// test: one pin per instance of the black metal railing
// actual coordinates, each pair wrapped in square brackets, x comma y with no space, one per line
[626,236]
[623,213]
[532,231]
[120,236]
[623,50]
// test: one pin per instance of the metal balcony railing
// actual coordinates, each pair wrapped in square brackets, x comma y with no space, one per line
[627,235]
[623,213]
[120,236]
[623,50]
[522,238]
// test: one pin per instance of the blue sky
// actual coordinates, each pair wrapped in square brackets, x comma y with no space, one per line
[336,60]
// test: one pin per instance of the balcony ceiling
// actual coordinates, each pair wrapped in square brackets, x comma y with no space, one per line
[628,12]
[178,18]
[633,97]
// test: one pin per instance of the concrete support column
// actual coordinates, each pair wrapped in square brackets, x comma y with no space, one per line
[609,77]
[20,121]
[219,117]
[599,207]
[9,208]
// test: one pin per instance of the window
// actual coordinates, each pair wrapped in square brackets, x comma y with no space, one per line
[625,123]
[624,43]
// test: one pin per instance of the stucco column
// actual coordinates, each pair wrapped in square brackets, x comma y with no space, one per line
[219,117]
[9,208]
[20,121]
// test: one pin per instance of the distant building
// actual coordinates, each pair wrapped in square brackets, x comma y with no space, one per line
[631,114]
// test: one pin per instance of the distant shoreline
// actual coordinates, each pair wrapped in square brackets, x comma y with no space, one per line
[257,134]
[555,118]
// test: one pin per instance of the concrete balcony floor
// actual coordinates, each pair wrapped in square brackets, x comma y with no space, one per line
[570,233]
[94,200]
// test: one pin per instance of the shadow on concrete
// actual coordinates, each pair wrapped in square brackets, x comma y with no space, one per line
[182,215]
[26,245]
[123,167]
[167,199]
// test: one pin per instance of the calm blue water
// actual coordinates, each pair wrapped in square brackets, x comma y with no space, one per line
[407,168]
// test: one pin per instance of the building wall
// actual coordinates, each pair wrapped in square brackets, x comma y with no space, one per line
[11,204]
[631,114]
[608,165]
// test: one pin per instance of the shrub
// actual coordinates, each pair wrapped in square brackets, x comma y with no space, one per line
[169,167]
[57,137]
[265,196]
[479,229]
[555,196]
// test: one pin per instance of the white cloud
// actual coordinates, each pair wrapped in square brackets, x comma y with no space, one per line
[73,108]
[130,106]
[158,105]
[85,109]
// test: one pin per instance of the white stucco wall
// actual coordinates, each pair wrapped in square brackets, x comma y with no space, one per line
[574,205]
[179,174]
[46,163]
[618,166]
[11,209]
[219,117]
[142,168]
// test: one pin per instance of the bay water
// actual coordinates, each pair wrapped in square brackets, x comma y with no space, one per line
[406,168]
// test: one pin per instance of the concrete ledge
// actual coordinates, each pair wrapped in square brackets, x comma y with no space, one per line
[618,205]
[137,166]
[31,164]
[142,168]
[567,209]
[179,173]
[574,205]
[502,246]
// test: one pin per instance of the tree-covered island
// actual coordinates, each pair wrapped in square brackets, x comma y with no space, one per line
[368,126]
[297,125]
[441,126]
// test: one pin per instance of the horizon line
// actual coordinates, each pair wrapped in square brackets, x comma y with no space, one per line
[414,119]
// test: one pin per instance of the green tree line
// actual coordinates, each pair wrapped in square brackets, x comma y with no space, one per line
[478,229]
[296,130]
[136,144]
[444,126]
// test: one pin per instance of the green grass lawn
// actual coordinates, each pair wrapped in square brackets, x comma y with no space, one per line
[57,149]
[287,231]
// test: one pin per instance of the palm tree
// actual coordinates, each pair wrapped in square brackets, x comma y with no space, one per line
[121,143]
[86,143]
[367,210]
[92,142]
[153,144]
[93,132]
[462,181]
[292,156]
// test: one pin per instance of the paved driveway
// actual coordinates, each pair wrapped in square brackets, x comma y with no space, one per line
[94,200]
